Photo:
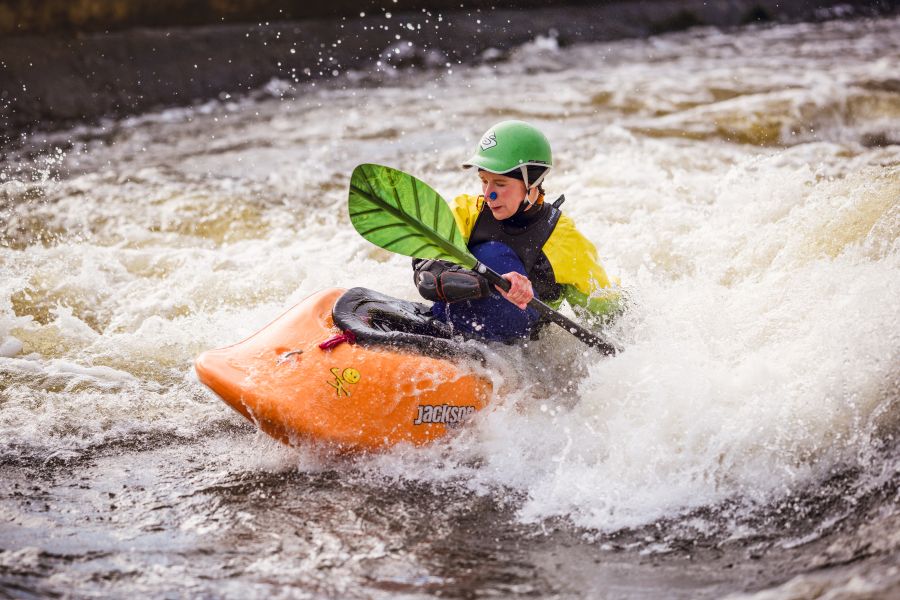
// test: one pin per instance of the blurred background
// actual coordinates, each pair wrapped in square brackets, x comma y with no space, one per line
[63,62]
[47,16]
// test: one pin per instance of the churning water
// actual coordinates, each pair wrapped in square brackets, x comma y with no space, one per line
[745,187]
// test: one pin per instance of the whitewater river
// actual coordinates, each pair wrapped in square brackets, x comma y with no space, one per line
[745,187]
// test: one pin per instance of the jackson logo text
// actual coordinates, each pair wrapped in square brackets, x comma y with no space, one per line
[447,414]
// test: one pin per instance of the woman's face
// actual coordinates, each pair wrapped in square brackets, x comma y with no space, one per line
[510,193]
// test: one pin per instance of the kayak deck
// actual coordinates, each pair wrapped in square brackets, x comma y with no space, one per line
[355,396]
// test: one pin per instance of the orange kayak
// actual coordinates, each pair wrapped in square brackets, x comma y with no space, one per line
[379,380]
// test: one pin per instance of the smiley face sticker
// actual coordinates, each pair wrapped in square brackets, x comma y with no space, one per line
[350,375]
[347,376]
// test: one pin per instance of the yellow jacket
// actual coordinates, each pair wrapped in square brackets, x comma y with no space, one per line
[573,258]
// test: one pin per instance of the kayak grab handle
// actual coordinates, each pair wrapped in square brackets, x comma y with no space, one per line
[347,336]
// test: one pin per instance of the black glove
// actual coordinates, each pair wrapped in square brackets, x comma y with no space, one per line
[425,276]
[439,280]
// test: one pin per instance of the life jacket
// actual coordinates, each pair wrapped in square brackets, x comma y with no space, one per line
[572,267]
[526,241]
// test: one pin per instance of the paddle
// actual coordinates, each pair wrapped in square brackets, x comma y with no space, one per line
[402,214]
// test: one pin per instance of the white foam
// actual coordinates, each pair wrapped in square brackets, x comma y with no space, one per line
[762,342]
[10,347]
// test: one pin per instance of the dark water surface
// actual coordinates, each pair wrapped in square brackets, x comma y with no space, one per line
[124,521]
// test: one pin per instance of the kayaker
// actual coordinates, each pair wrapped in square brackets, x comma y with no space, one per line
[510,228]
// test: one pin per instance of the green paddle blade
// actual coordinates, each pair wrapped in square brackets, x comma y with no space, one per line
[398,212]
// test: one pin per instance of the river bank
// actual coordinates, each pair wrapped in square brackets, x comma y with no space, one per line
[60,79]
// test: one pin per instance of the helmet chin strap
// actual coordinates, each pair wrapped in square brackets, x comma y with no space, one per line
[528,188]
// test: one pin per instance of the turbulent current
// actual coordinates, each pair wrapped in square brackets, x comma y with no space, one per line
[745,188]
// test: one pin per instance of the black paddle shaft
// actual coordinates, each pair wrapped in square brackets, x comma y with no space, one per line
[586,336]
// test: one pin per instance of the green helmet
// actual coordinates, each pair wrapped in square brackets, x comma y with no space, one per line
[509,145]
